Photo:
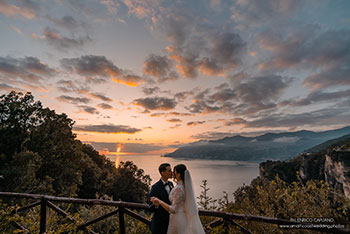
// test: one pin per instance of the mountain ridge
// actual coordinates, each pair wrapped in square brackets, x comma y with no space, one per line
[274,146]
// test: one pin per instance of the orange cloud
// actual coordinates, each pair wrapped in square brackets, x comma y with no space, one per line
[127,82]
[13,10]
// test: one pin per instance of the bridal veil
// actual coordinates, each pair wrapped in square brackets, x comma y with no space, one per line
[194,225]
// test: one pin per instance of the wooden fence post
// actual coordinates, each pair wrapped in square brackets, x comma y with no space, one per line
[121,220]
[43,216]
[226,226]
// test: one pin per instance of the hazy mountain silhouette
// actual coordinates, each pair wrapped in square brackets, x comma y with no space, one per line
[268,146]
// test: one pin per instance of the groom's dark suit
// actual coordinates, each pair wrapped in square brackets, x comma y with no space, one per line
[160,219]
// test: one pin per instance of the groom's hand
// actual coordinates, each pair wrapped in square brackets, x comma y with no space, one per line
[155,201]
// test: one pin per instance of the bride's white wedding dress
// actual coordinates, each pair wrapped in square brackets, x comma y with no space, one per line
[184,218]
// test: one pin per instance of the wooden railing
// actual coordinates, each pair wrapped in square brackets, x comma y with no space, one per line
[123,208]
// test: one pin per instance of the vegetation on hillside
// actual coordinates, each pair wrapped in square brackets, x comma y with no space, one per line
[282,193]
[40,154]
[279,199]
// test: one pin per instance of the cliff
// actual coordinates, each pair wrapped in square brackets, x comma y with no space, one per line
[331,164]
[337,170]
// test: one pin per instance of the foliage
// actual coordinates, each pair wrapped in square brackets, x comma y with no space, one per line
[206,202]
[279,199]
[39,153]
[30,220]
[130,178]
[38,141]
[7,218]
[108,225]
[111,224]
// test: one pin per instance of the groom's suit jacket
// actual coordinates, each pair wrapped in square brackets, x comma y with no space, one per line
[160,219]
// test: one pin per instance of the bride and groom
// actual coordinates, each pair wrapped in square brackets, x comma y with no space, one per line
[175,208]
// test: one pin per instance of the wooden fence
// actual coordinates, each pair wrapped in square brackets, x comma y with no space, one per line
[123,208]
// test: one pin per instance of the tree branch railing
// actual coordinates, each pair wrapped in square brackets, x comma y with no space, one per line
[124,208]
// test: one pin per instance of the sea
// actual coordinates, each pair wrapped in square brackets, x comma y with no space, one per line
[221,175]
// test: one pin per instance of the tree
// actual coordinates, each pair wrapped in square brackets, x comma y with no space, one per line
[129,183]
[39,153]
[18,116]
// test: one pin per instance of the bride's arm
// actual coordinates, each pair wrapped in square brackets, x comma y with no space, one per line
[157,201]
[179,197]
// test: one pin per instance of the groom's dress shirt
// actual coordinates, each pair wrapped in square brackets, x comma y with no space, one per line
[166,186]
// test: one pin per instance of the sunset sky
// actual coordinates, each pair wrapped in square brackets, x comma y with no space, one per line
[148,76]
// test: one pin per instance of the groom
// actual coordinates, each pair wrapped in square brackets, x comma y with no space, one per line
[161,190]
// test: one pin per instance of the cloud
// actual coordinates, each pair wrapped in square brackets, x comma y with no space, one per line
[62,43]
[151,90]
[66,22]
[24,9]
[27,69]
[155,103]
[308,48]
[73,100]
[194,123]
[129,79]
[110,147]
[99,67]
[69,86]
[181,96]
[96,95]
[88,109]
[252,95]
[323,117]
[286,139]
[107,128]
[105,106]
[159,67]
[259,93]
[91,65]
[223,95]
[140,8]
[175,127]
[211,135]
[335,76]
[202,107]
[17,30]
[8,88]
[210,67]
[66,86]
[216,54]
[232,122]
[320,96]
[174,120]
[111,5]
[156,65]
[227,48]
[195,44]
[255,12]
[202,104]
[179,114]
[173,113]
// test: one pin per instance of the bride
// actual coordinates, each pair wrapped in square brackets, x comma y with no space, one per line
[184,218]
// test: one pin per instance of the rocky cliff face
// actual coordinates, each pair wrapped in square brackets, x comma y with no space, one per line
[331,164]
[337,170]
